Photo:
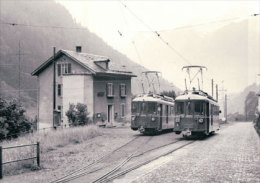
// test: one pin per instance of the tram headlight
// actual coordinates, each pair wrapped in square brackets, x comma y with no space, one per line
[177,119]
[153,119]
[133,118]
[201,120]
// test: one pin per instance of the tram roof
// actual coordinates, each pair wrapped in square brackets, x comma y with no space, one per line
[152,98]
[192,96]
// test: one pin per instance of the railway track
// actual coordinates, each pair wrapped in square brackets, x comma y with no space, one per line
[108,170]
[93,163]
[85,170]
[119,174]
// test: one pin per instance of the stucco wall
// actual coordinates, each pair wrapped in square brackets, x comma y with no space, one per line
[102,102]
[46,98]
[77,89]
[88,94]
[75,68]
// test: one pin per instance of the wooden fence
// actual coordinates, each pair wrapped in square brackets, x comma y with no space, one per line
[37,157]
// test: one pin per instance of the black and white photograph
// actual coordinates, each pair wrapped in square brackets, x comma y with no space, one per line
[129,91]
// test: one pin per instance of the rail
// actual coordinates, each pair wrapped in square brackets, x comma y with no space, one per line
[37,157]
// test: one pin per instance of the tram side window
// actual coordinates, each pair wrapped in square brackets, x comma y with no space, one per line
[172,110]
[216,110]
[180,108]
[198,107]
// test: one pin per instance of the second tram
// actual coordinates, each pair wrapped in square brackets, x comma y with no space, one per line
[196,113]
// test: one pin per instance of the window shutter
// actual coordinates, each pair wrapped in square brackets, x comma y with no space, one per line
[69,67]
[107,89]
[125,90]
[113,89]
[120,90]
[59,69]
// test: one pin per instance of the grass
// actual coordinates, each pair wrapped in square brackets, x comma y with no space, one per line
[49,141]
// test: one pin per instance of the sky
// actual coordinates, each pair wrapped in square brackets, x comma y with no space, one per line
[109,19]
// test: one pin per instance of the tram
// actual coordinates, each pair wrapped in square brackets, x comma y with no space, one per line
[196,112]
[152,113]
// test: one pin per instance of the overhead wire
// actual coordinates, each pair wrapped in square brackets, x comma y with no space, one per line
[132,41]
[157,34]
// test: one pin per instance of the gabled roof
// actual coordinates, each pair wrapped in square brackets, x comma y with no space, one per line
[88,61]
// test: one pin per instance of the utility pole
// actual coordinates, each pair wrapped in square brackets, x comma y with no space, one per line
[19,80]
[212,87]
[224,100]
[216,92]
[225,113]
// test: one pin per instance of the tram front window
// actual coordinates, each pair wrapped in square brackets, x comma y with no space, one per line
[135,107]
[198,108]
[179,107]
[151,107]
[189,108]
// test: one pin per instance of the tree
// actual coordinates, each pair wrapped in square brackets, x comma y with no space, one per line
[78,115]
[251,104]
[13,121]
[171,93]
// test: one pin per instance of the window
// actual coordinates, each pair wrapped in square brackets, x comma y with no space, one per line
[151,108]
[189,108]
[110,90]
[122,110]
[59,89]
[59,107]
[215,110]
[135,107]
[198,107]
[143,107]
[172,110]
[122,90]
[179,107]
[64,68]
[59,69]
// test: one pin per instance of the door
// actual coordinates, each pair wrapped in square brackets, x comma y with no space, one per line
[208,117]
[161,116]
[211,117]
[110,113]
[167,114]
[57,118]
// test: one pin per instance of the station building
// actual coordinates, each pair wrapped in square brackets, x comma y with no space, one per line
[71,77]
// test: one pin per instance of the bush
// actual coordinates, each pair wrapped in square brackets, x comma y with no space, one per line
[78,115]
[13,121]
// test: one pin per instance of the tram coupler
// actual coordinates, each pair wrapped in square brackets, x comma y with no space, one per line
[186,133]
[141,129]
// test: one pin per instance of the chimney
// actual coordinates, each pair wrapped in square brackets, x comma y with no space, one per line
[78,49]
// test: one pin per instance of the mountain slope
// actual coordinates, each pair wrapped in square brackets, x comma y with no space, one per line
[236,102]
[36,44]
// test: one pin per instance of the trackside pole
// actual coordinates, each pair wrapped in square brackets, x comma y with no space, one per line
[38,153]
[1,162]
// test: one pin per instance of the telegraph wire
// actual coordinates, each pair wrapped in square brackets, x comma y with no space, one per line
[41,26]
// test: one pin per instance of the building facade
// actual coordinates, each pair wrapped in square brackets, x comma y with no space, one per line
[71,77]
